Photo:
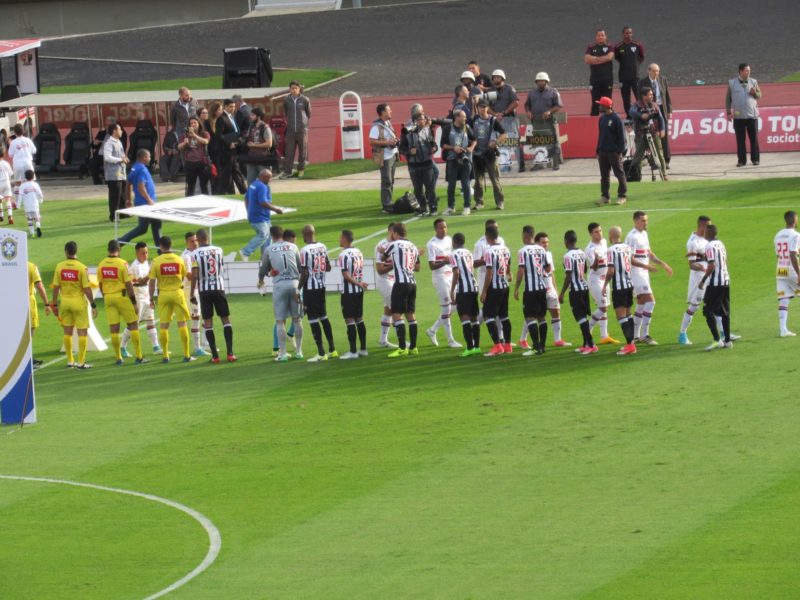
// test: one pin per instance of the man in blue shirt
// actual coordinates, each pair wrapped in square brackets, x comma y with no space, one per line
[610,150]
[259,204]
[143,190]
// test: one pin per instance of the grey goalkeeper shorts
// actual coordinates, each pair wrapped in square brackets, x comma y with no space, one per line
[284,300]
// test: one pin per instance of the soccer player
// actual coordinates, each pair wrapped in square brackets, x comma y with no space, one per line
[639,242]
[281,260]
[495,292]
[403,258]
[620,257]
[553,305]
[384,283]
[696,255]
[478,255]
[718,295]
[532,266]
[787,274]
[6,175]
[288,236]
[192,299]
[21,151]
[351,262]
[119,299]
[575,280]
[139,271]
[207,266]
[35,286]
[464,294]
[596,255]
[438,249]
[71,281]
[169,271]
[314,264]
[30,198]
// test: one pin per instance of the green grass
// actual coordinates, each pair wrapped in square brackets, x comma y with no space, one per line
[308,77]
[338,168]
[670,474]
[791,77]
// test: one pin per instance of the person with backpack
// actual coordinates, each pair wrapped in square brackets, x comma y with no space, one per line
[489,133]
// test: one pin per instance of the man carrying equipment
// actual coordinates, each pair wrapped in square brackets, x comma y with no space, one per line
[119,299]
[71,281]
[169,271]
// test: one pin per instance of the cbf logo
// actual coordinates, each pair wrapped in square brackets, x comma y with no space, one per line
[8,247]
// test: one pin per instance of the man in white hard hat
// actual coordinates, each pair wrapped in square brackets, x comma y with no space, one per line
[504,109]
[542,104]
[468,80]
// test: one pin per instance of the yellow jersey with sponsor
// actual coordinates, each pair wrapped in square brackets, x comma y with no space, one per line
[33,278]
[112,274]
[169,270]
[72,277]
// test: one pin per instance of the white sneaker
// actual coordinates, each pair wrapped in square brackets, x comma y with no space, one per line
[363,353]
[735,337]
[348,356]
[244,257]
[786,333]
[465,212]
[529,353]
[715,346]
[728,345]
[454,344]
[432,336]
[318,358]
[447,211]
[387,344]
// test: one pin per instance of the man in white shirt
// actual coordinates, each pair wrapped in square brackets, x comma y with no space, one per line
[6,176]
[384,143]
[787,273]
[597,262]
[439,248]
[139,270]
[384,283]
[696,257]
[21,150]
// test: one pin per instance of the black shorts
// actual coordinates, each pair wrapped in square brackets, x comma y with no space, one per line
[314,303]
[467,304]
[352,306]
[534,304]
[404,298]
[717,300]
[622,298]
[579,301]
[496,304]
[214,301]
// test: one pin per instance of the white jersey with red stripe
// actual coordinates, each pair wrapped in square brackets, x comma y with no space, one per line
[787,241]
[640,244]
[597,252]
[380,251]
[440,250]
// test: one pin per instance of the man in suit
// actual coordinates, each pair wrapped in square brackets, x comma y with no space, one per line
[242,116]
[660,87]
[229,135]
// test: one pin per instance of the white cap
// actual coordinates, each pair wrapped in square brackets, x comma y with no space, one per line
[499,73]
[542,76]
[468,75]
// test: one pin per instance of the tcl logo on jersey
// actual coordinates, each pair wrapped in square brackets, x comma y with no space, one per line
[109,272]
[69,275]
[170,269]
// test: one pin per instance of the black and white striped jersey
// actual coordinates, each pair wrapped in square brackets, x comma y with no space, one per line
[209,263]
[461,259]
[498,258]
[314,257]
[619,257]
[404,256]
[575,266]
[533,258]
[717,254]
[351,261]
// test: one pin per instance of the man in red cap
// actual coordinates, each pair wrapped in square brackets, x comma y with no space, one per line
[610,149]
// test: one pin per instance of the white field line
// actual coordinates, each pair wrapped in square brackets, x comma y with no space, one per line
[214,537]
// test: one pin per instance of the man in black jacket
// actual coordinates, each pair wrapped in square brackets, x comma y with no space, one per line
[418,146]
[656,82]
[229,136]
[610,148]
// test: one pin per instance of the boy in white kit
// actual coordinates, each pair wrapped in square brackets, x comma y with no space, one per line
[30,197]
[6,175]
[139,270]
[439,249]
[21,151]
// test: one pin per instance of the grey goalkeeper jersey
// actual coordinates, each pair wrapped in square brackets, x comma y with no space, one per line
[281,261]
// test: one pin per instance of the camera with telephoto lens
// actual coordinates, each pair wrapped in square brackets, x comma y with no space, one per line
[489,96]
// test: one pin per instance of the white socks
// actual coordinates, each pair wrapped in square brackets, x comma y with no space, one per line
[783,314]
[647,315]
[687,317]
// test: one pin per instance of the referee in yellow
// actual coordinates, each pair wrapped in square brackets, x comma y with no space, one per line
[169,270]
[36,286]
[119,298]
[71,281]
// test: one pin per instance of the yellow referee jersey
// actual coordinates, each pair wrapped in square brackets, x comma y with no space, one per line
[33,278]
[112,274]
[169,270]
[71,275]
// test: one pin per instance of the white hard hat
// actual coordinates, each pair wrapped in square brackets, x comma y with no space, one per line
[542,76]
[468,75]
[499,73]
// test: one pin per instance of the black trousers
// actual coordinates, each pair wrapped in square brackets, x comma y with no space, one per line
[665,139]
[424,182]
[600,89]
[611,161]
[749,128]
[231,175]
[116,197]
[195,171]
[628,87]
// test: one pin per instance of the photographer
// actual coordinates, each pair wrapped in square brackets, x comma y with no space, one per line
[647,118]
[194,150]
[384,142]
[418,146]
[488,133]
[458,141]
[258,145]
[463,101]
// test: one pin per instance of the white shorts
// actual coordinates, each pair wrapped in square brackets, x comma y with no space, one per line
[442,287]
[596,291]
[194,307]
[5,189]
[641,281]
[787,287]
[19,170]
[695,295]
[384,287]
[143,309]
[552,300]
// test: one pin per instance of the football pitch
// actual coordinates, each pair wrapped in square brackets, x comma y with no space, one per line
[673,473]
